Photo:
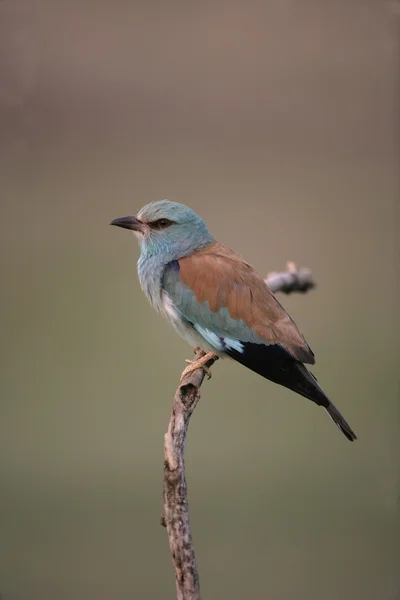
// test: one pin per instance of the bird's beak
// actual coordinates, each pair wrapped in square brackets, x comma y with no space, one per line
[128,223]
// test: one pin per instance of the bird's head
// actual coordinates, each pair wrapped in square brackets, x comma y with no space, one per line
[167,228]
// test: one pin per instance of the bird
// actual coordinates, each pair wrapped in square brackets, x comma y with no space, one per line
[218,302]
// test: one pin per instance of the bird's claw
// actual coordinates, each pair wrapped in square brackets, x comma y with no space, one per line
[193,365]
[200,363]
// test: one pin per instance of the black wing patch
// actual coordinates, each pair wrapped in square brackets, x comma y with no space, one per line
[255,356]
[276,364]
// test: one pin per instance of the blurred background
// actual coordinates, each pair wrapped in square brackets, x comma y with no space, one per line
[277,121]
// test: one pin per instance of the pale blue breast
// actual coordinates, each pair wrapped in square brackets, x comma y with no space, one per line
[151,271]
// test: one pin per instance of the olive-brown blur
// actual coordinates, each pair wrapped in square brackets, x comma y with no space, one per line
[276,122]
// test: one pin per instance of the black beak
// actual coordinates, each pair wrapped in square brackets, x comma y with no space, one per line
[128,223]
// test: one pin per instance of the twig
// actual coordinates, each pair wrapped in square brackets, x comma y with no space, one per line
[176,508]
[292,280]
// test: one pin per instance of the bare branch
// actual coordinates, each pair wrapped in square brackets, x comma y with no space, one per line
[176,508]
[292,280]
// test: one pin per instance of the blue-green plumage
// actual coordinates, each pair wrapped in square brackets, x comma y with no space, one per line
[216,300]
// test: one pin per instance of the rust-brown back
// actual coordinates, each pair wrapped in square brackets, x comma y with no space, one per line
[221,277]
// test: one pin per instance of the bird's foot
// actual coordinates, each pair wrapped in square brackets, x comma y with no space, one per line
[200,363]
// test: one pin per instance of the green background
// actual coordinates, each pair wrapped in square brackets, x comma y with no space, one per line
[278,122]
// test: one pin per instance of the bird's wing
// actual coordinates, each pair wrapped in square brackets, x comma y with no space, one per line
[230,305]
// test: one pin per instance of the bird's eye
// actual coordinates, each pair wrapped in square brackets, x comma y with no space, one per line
[161,224]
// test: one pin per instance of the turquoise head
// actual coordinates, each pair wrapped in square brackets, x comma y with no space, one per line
[167,230]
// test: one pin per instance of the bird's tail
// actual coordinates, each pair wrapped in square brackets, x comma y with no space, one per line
[282,369]
[319,396]
[295,376]
[310,388]
[340,421]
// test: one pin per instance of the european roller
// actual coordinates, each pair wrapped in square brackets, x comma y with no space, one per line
[217,301]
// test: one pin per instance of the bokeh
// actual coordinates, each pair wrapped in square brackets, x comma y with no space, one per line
[277,122]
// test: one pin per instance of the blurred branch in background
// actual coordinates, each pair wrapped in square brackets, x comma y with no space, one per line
[176,508]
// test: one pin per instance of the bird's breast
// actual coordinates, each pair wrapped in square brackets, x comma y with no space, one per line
[150,273]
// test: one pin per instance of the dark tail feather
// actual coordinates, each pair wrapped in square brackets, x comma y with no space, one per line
[340,421]
[282,369]
[320,398]
[332,411]
[303,382]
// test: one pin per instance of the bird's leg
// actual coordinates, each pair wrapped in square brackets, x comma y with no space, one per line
[199,363]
